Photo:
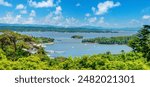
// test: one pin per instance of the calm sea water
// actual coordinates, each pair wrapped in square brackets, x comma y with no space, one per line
[64,45]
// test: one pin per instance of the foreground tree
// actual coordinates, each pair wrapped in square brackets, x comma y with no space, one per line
[16,45]
[141,43]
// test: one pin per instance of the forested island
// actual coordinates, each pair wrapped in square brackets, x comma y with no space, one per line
[112,40]
[22,52]
[77,37]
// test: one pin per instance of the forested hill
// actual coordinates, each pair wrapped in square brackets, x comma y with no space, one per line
[51,28]
[43,28]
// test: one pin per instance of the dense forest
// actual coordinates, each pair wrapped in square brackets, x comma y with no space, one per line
[112,40]
[16,54]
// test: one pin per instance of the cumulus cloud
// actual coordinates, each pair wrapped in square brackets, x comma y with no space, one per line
[20,6]
[101,20]
[92,20]
[87,14]
[54,17]
[135,23]
[9,18]
[17,18]
[23,11]
[29,20]
[95,21]
[58,10]
[52,20]
[42,4]
[71,21]
[104,7]
[146,17]
[4,3]
[145,20]
[57,2]
[33,13]
[93,9]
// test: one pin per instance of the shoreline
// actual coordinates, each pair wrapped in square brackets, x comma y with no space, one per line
[50,43]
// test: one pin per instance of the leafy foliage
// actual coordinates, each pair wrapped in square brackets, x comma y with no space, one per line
[16,45]
[124,61]
[12,57]
[142,42]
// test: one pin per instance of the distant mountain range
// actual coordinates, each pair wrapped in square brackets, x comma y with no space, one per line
[28,27]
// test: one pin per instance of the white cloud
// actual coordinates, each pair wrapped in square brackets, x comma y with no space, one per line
[17,18]
[53,18]
[93,9]
[22,9]
[33,13]
[101,20]
[23,12]
[20,6]
[42,4]
[58,10]
[92,20]
[4,3]
[71,21]
[56,18]
[57,2]
[146,17]
[104,7]
[29,20]
[87,14]
[9,18]
[146,20]
[78,4]
[135,23]
[95,21]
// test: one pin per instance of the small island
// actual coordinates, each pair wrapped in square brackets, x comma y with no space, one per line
[77,37]
[44,40]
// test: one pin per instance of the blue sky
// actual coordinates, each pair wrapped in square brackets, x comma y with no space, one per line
[105,13]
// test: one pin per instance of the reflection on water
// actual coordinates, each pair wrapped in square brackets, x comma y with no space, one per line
[65,46]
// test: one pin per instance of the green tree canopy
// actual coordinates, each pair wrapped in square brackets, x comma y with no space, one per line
[142,42]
